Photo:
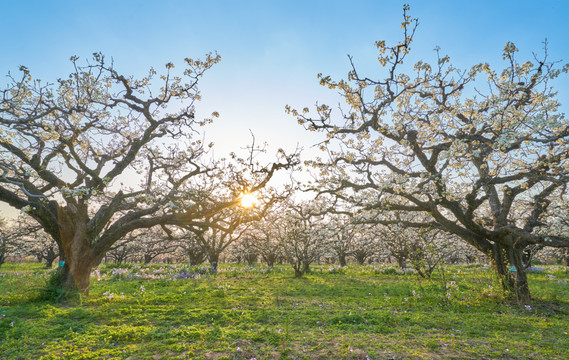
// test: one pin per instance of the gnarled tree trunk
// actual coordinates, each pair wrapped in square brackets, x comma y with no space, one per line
[507,262]
[79,256]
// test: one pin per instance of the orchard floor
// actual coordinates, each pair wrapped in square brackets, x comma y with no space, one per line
[245,312]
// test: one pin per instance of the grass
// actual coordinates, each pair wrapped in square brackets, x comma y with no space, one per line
[243,312]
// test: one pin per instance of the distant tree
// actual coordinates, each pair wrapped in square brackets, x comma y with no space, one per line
[340,236]
[395,241]
[428,248]
[153,243]
[70,154]
[142,246]
[558,224]
[214,240]
[470,158]
[7,238]
[13,233]
[300,235]
[245,249]
[42,246]
[121,251]
[265,241]
[223,229]
[192,248]
[365,244]
[565,256]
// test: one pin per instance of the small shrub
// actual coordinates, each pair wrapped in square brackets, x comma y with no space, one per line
[54,290]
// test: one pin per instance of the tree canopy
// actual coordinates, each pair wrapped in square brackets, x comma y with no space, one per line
[480,152]
[71,153]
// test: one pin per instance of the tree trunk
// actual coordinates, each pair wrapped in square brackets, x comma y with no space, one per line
[251,259]
[213,258]
[196,256]
[342,259]
[78,269]
[305,267]
[50,258]
[509,267]
[76,274]
[78,253]
[360,258]
[269,259]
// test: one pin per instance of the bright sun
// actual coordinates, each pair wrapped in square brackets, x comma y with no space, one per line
[248,200]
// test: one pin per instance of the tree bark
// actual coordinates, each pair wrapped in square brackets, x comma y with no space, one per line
[78,268]
[342,259]
[305,267]
[509,267]
[213,258]
[79,256]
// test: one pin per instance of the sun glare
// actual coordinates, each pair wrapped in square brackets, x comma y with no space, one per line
[248,200]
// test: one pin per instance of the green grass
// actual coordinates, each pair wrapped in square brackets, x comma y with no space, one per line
[250,312]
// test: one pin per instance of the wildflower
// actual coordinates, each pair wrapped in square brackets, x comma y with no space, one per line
[12,324]
[238,349]
[528,308]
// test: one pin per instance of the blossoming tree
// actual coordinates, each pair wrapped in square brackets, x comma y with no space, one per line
[480,152]
[71,155]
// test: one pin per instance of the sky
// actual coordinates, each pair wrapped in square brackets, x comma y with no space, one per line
[271,50]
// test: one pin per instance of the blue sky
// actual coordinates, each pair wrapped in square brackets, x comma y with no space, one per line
[271,50]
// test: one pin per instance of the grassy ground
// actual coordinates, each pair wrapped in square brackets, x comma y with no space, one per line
[176,312]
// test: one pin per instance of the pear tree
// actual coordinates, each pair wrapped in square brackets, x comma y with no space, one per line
[479,153]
